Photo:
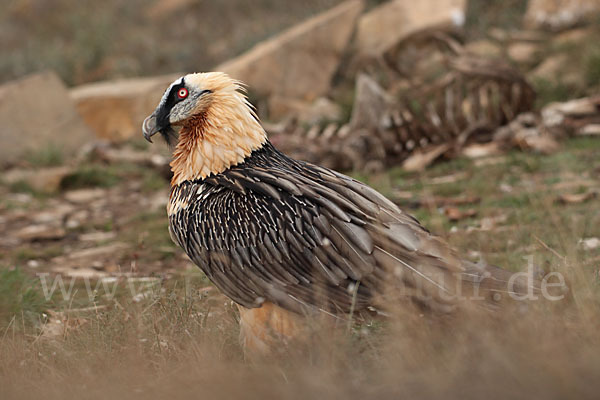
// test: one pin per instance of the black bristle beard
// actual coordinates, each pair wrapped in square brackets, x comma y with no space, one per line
[170,136]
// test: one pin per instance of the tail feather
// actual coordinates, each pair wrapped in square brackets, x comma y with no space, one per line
[494,283]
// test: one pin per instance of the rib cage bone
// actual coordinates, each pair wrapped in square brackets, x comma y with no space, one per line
[438,95]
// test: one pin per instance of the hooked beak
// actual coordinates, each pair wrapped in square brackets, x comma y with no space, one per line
[149,127]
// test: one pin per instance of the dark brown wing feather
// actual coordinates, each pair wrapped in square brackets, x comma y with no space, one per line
[301,236]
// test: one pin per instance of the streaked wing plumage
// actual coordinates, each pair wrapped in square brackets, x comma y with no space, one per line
[302,236]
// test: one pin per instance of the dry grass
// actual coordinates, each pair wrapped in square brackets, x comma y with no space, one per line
[169,347]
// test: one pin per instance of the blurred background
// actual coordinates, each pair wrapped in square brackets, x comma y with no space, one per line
[85,41]
[481,118]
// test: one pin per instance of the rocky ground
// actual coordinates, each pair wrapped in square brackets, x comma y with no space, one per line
[85,224]
[105,216]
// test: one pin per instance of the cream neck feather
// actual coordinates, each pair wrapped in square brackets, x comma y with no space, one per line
[216,139]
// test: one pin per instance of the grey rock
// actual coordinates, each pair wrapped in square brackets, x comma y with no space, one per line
[37,112]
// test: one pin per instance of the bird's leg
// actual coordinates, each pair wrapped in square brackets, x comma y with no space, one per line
[261,328]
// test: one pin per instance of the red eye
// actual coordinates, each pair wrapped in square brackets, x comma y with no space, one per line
[182,93]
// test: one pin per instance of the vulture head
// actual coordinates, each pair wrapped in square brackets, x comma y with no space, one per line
[210,122]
